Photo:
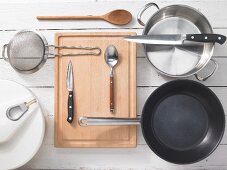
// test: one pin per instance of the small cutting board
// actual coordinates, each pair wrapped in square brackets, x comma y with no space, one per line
[91,91]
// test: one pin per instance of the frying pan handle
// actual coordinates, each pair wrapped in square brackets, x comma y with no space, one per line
[209,75]
[4,52]
[104,121]
[142,10]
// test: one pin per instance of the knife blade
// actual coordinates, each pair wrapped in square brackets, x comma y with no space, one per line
[69,84]
[176,39]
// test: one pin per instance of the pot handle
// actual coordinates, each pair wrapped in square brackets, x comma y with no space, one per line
[142,10]
[110,121]
[209,75]
[4,52]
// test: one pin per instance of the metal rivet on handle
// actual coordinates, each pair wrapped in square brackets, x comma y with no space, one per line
[192,37]
[219,38]
[206,38]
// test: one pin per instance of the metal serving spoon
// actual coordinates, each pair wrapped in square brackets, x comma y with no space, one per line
[111,58]
[117,17]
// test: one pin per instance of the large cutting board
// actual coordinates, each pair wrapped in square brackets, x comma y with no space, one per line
[91,91]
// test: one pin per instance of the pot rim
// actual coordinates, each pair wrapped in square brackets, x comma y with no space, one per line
[199,66]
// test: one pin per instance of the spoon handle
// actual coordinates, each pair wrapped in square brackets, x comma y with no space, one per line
[88,17]
[111,93]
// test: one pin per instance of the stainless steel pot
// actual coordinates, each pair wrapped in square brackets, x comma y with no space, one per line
[178,61]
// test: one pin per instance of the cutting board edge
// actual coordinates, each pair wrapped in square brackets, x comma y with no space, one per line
[58,142]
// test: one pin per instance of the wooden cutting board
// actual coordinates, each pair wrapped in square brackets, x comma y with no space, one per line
[91,91]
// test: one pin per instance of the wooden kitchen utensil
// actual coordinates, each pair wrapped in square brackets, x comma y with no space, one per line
[117,17]
[91,81]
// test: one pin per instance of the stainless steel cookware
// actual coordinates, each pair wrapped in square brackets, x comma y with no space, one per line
[28,51]
[178,61]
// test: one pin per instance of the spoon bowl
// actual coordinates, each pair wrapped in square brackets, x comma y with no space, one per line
[111,56]
[118,17]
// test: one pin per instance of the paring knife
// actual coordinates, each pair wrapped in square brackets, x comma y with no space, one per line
[69,84]
[176,39]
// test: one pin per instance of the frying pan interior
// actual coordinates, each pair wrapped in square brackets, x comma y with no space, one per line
[183,121]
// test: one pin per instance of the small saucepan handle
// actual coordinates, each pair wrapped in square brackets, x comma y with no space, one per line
[200,78]
[4,48]
[143,9]
[206,38]
[104,121]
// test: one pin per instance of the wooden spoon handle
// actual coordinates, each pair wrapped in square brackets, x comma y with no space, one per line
[89,17]
[111,94]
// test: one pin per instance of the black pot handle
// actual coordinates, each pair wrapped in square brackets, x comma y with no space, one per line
[142,10]
[209,75]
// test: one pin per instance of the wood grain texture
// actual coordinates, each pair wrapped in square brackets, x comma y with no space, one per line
[146,74]
[24,15]
[112,94]
[69,17]
[91,89]
[118,158]
[116,17]
[220,50]
[20,14]
[74,158]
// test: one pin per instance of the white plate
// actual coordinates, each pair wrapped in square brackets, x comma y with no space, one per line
[28,139]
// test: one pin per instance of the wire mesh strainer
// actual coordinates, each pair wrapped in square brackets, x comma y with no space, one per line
[28,50]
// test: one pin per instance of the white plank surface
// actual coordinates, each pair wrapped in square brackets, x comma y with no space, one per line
[23,15]
[146,75]
[6,36]
[20,14]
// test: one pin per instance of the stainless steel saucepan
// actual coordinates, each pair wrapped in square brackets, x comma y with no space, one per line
[178,60]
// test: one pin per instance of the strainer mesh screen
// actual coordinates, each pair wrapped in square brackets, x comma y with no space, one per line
[26,50]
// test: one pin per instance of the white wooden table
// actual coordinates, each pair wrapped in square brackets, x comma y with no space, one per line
[16,15]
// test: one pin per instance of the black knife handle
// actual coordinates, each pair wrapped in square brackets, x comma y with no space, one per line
[206,38]
[70,107]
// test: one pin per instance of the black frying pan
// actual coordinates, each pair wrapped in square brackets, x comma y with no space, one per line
[182,121]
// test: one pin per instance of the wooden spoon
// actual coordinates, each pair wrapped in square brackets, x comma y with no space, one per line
[117,17]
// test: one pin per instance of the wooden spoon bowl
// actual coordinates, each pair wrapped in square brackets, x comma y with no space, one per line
[118,17]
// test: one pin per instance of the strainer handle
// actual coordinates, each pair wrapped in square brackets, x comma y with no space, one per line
[142,10]
[200,78]
[79,53]
[4,52]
